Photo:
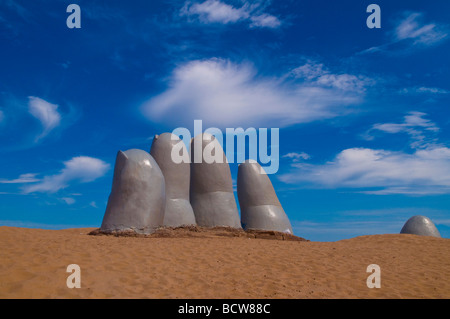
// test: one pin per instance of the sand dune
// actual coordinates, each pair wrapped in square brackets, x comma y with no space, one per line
[33,264]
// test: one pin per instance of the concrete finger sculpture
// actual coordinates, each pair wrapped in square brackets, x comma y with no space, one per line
[178,209]
[137,197]
[420,225]
[260,207]
[211,187]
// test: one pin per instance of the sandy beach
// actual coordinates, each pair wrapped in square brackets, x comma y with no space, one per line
[33,264]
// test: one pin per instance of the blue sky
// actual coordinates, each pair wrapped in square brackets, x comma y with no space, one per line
[363,113]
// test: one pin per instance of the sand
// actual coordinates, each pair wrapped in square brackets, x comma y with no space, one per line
[33,264]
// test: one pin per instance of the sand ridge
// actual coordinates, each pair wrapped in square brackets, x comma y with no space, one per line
[33,264]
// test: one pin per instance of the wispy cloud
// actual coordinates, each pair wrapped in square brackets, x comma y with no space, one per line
[317,73]
[22,179]
[414,124]
[412,32]
[296,157]
[43,120]
[212,11]
[83,169]
[264,20]
[14,19]
[227,94]
[412,28]
[412,120]
[68,200]
[215,11]
[47,113]
[424,90]
[17,8]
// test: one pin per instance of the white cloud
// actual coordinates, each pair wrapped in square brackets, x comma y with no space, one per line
[317,73]
[426,171]
[347,82]
[82,168]
[46,113]
[215,11]
[412,28]
[311,70]
[411,32]
[226,94]
[69,200]
[412,120]
[423,90]
[382,172]
[296,157]
[24,178]
[414,124]
[265,21]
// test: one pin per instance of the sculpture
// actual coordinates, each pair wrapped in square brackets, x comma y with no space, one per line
[137,196]
[260,207]
[178,209]
[211,187]
[420,225]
